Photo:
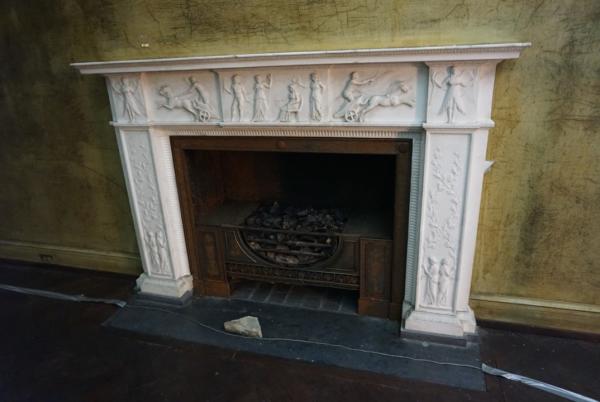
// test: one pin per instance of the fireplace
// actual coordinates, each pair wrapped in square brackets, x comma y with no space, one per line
[210,144]
[318,212]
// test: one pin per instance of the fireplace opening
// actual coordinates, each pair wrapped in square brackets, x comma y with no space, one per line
[296,213]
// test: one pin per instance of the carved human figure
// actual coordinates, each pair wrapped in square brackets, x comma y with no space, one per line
[453,84]
[200,102]
[316,97]
[238,92]
[432,275]
[261,88]
[289,111]
[128,88]
[351,92]
[162,249]
[196,87]
[157,245]
[153,247]
[445,279]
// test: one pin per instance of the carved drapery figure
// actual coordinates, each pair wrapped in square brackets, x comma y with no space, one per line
[316,97]
[128,88]
[432,276]
[289,111]
[261,88]
[238,92]
[446,278]
[453,84]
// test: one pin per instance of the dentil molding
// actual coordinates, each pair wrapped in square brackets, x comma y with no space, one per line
[439,97]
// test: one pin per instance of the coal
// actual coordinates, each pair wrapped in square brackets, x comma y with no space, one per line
[293,236]
[298,219]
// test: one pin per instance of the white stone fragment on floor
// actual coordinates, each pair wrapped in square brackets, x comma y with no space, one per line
[247,326]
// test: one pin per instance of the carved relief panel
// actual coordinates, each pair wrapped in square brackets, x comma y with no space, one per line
[442,217]
[338,94]
[184,97]
[127,98]
[378,93]
[452,95]
[275,96]
[149,216]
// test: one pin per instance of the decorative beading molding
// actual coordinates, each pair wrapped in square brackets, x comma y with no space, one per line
[439,97]
[309,132]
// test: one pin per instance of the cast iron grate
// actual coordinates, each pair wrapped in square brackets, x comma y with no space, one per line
[290,236]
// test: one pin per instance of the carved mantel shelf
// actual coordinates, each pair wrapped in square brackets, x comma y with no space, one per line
[440,97]
[457,53]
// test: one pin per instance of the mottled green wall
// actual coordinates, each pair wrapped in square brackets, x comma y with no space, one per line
[539,235]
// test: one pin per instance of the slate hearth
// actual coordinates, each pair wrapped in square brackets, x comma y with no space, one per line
[190,323]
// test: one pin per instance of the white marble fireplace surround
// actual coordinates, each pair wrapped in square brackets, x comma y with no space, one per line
[440,97]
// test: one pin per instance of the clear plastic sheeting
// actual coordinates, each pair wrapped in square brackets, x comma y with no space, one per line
[564,393]
[62,296]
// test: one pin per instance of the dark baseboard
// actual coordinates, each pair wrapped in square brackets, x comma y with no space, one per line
[8,262]
[559,333]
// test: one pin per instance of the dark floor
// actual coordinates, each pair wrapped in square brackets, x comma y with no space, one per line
[58,351]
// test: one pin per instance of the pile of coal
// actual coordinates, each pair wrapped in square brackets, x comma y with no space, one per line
[275,216]
[293,236]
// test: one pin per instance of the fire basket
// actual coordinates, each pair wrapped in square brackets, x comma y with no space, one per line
[291,236]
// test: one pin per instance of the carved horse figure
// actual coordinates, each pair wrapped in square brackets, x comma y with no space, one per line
[395,96]
[186,101]
[390,99]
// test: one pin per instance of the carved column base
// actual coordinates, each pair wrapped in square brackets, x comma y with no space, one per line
[172,288]
[458,325]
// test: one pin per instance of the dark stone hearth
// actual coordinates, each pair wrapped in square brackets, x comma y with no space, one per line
[316,330]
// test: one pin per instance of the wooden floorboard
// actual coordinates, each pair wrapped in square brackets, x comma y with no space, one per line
[58,351]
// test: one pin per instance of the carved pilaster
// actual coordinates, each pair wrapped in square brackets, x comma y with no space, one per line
[458,119]
[440,262]
[155,240]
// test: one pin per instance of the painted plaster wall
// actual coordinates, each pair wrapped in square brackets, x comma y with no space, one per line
[539,237]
